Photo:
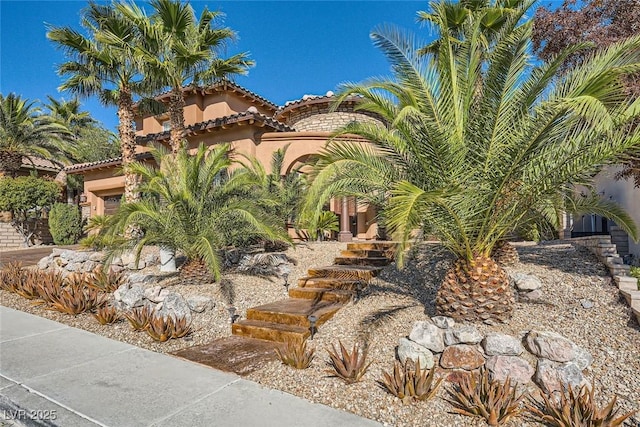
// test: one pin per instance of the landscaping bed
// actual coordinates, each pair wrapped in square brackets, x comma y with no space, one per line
[579,301]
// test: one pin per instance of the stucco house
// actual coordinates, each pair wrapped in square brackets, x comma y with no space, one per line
[228,113]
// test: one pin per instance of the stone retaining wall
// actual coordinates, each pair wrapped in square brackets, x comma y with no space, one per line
[607,252]
[10,238]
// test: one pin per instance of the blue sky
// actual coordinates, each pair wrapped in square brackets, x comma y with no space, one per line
[300,47]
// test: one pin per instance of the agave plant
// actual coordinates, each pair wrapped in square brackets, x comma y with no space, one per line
[479,142]
[106,315]
[12,276]
[409,383]
[162,328]
[576,409]
[348,366]
[477,396]
[139,317]
[29,285]
[49,285]
[76,298]
[105,281]
[296,354]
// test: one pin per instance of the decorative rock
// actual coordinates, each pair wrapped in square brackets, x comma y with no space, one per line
[96,257]
[141,278]
[461,356]
[73,266]
[516,368]
[67,255]
[551,376]
[89,266]
[526,282]
[408,349]
[151,259]
[134,297]
[532,296]
[462,334]
[139,266]
[174,305]
[199,303]
[116,261]
[153,293]
[550,345]
[496,344]
[583,359]
[120,292]
[80,256]
[128,258]
[55,252]
[61,262]
[586,303]
[443,322]
[43,264]
[427,335]
[116,268]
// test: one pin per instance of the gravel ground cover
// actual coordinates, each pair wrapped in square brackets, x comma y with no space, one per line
[387,311]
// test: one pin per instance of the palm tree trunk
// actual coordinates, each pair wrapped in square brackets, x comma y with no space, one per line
[10,163]
[176,116]
[127,144]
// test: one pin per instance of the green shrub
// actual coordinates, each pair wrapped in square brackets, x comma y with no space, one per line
[65,224]
[635,272]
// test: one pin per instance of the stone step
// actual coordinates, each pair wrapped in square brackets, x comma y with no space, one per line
[619,269]
[625,279]
[613,260]
[606,246]
[628,286]
[361,253]
[328,283]
[375,261]
[270,331]
[345,272]
[630,296]
[371,246]
[322,294]
[294,312]
[635,308]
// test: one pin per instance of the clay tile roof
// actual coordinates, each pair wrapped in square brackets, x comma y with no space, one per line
[222,121]
[40,163]
[79,167]
[226,83]
[313,99]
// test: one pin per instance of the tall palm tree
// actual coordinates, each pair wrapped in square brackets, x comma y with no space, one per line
[196,206]
[481,138]
[179,49]
[104,65]
[25,131]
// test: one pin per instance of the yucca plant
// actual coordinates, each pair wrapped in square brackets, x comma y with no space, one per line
[105,280]
[576,409]
[165,328]
[139,317]
[296,354]
[480,142]
[477,396]
[409,383]
[348,366]
[106,315]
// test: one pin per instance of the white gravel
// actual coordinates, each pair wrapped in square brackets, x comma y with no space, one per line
[387,312]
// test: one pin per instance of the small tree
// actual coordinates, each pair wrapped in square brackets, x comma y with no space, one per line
[65,224]
[26,197]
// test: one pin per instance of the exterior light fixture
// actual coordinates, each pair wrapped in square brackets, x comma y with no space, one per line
[312,324]
[285,276]
[83,198]
[232,314]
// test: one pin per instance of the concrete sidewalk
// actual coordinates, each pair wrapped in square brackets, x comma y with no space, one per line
[64,376]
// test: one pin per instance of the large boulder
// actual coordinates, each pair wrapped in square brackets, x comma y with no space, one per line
[127,297]
[174,305]
[550,345]
[408,349]
[461,356]
[516,368]
[497,344]
[443,322]
[427,335]
[43,264]
[553,376]
[462,334]
[199,303]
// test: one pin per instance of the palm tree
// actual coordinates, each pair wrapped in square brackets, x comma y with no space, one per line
[179,49]
[197,207]
[68,114]
[24,131]
[104,65]
[481,138]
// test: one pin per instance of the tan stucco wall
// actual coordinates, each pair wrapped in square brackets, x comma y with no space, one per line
[624,193]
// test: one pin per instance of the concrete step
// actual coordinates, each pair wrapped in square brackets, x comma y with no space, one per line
[374,261]
[270,331]
[613,260]
[328,283]
[619,269]
[630,296]
[294,312]
[362,253]
[635,308]
[322,294]
[345,272]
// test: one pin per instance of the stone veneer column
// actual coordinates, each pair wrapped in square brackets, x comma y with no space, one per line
[345,234]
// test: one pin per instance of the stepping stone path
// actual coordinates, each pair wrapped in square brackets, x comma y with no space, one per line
[320,294]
